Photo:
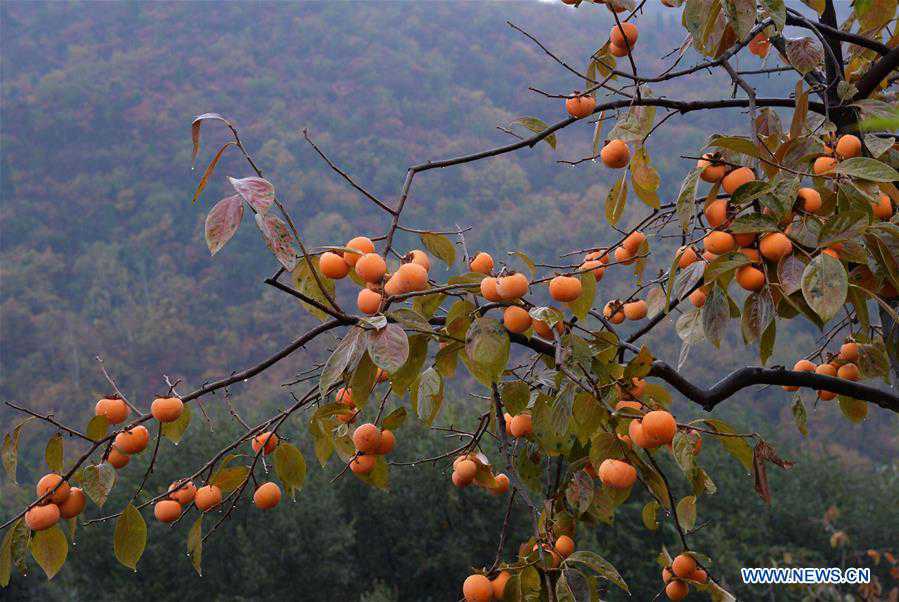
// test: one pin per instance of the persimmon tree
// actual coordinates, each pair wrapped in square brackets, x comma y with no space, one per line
[573,408]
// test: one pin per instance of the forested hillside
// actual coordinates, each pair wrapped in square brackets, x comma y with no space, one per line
[102,253]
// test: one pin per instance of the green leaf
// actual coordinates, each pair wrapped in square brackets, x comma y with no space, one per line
[579,492]
[394,419]
[866,168]
[754,222]
[174,431]
[97,481]
[715,316]
[487,350]
[12,549]
[580,306]
[644,178]
[526,259]
[10,450]
[229,478]
[572,586]
[429,396]
[536,126]
[408,373]
[799,415]
[650,515]
[740,15]
[640,365]
[130,537]
[304,281]
[379,476]
[777,11]
[616,201]
[736,446]
[54,453]
[686,199]
[758,312]
[723,265]
[854,410]
[49,549]
[515,396]
[825,284]
[603,567]
[97,427]
[440,246]
[846,225]
[290,466]
[195,545]
[388,347]
[686,512]
[346,354]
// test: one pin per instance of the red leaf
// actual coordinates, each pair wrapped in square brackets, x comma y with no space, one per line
[222,222]
[195,131]
[258,192]
[278,239]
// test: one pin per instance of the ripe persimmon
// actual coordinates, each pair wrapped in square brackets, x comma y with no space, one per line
[363,464]
[659,426]
[393,286]
[736,178]
[683,566]
[565,288]
[501,486]
[488,289]
[800,366]
[47,483]
[883,208]
[617,474]
[718,242]
[580,106]
[361,244]
[751,254]
[166,409]
[711,171]
[466,469]
[716,213]
[686,256]
[521,425]
[482,263]
[458,481]
[744,239]
[543,330]
[114,408]
[40,518]
[183,492]
[677,590]
[513,286]
[824,165]
[826,370]
[477,588]
[626,30]
[775,246]
[421,258]
[848,371]
[615,316]
[623,256]
[615,154]
[344,396]
[698,298]
[635,310]
[699,576]
[387,443]
[595,266]
[616,50]
[368,301]
[516,319]
[849,352]
[267,496]
[333,266]
[371,267]
[207,497]
[564,546]
[811,200]
[849,146]
[367,438]
[412,277]
[750,278]
[626,404]
[167,511]
[499,584]
[633,241]
[600,255]
[268,439]
[74,504]
[117,459]
[132,441]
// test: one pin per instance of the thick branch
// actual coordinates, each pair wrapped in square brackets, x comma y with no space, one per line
[876,74]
